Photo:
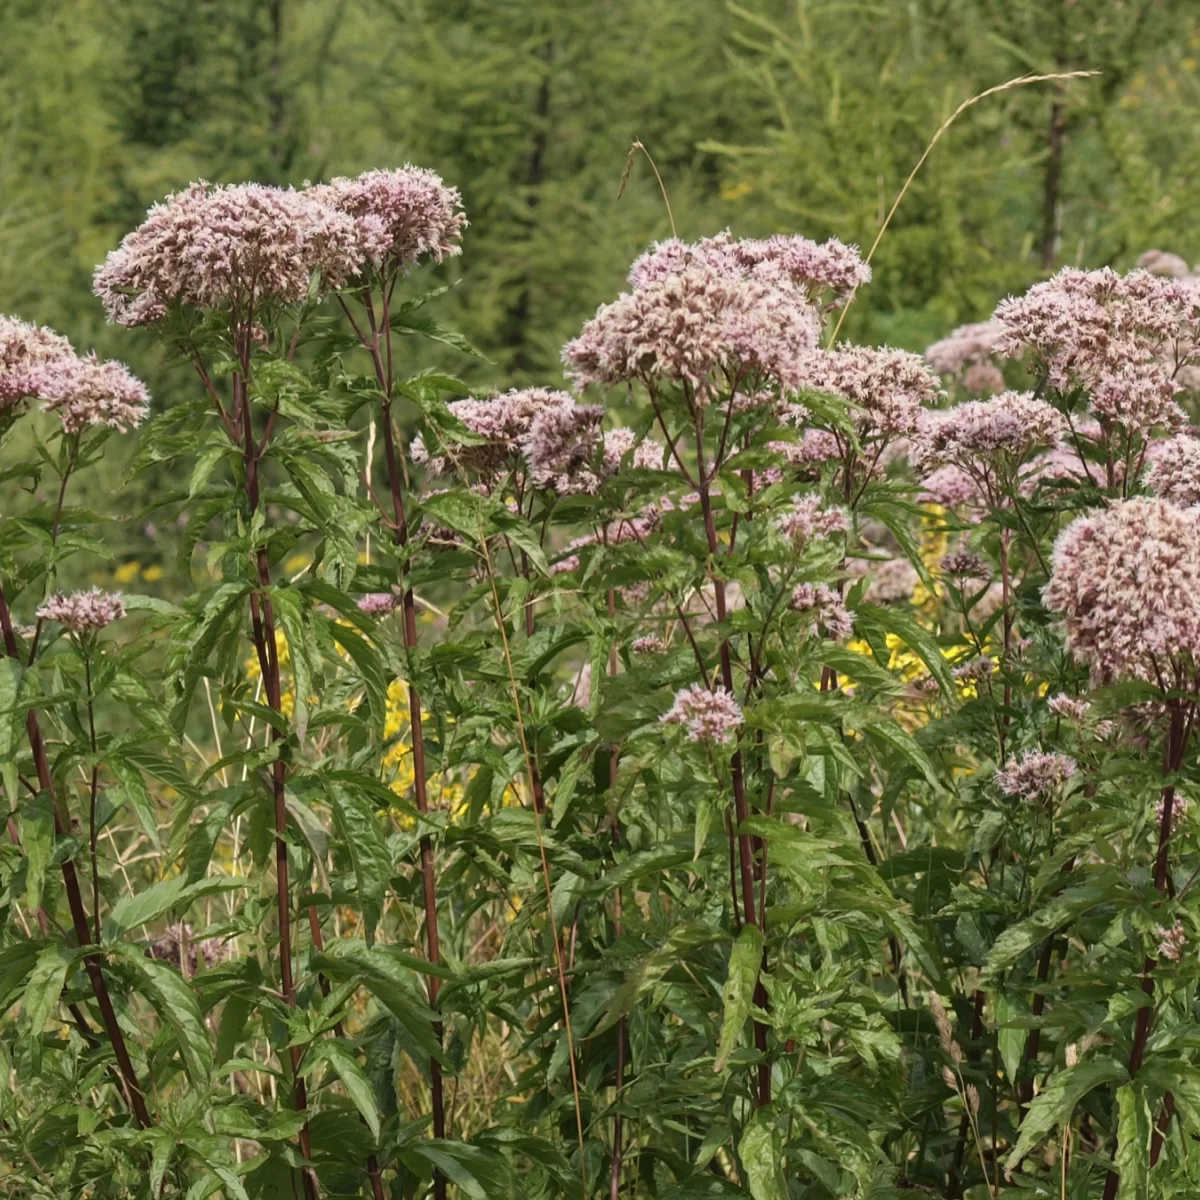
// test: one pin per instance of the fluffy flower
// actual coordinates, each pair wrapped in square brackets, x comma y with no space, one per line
[886,388]
[1035,774]
[891,580]
[807,518]
[24,345]
[815,447]
[701,326]
[403,216]
[647,644]
[86,392]
[975,670]
[377,604]
[967,346]
[963,564]
[1174,472]
[245,246]
[983,379]
[1161,262]
[83,612]
[1126,579]
[501,422]
[1070,707]
[950,487]
[824,609]
[708,716]
[980,435]
[562,444]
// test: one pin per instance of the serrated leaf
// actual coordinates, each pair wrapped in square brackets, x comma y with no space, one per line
[917,638]
[43,989]
[759,1151]
[141,908]
[354,1080]
[37,840]
[738,994]
[358,828]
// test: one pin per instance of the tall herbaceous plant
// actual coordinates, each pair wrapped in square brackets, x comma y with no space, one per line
[761,770]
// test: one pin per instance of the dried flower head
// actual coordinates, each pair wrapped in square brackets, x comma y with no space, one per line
[404,215]
[712,717]
[975,670]
[1127,581]
[1174,471]
[1035,774]
[242,247]
[964,564]
[83,612]
[824,609]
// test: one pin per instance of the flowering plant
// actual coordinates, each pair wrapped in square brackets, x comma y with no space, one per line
[782,793]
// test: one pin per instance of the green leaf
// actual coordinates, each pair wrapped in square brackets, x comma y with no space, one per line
[140,908]
[176,1005]
[10,722]
[760,1153]
[915,637]
[888,733]
[738,995]
[1132,1159]
[1017,939]
[358,828]
[37,840]
[1057,1103]
[354,1079]
[43,989]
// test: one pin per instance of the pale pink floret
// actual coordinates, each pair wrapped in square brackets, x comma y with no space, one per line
[83,612]
[967,346]
[1127,581]
[701,327]
[403,215]
[561,446]
[816,446]
[86,392]
[243,247]
[378,604]
[708,716]
[1174,472]
[1172,941]
[808,518]
[1035,774]
[887,389]
[982,435]
[25,345]
[1162,262]
[824,609]
[891,580]
[1070,707]
[951,487]
[647,644]
[501,421]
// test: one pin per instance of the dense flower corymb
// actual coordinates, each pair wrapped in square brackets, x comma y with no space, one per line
[966,346]
[1127,581]
[377,604]
[240,247]
[83,612]
[823,608]
[807,518]
[86,392]
[25,345]
[1035,774]
[403,215]
[708,716]
[977,435]
[1174,472]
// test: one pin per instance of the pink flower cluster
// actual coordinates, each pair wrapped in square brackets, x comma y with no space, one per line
[886,388]
[808,518]
[983,436]
[813,267]
[378,604]
[891,580]
[1126,579]
[824,609]
[1035,774]
[967,346]
[711,717]
[1174,471]
[706,316]
[1172,940]
[1121,337]
[38,364]
[403,216]
[648,643]
[561,444]
[965,564]
[83,612]
[1070,707]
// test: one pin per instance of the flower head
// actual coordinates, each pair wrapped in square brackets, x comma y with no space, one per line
[1126,579]
[86,392]
[562,444]
[708,716]
[824,609]
[1174,471]
[24,345]
[891,580]
[240,247]
[648,643]
[83,612]
[967,346]
[808,518]
[981,435]
[1171,941]
[1070,707]
[963,564]
[1035,774]
[403,215]
[377,604]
